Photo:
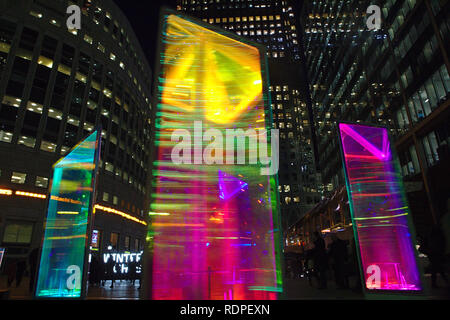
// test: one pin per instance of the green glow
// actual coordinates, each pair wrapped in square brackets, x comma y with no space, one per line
[61,268]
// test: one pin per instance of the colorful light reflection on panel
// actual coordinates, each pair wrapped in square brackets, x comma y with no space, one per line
[379,209]
[63,251]
[215,227]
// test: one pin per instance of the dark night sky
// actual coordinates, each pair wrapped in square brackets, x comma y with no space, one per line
[143,16]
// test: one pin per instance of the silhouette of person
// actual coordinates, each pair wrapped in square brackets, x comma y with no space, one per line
[320,260]
[139,272]
[339,257]
[93,270]
[21,267]
[101,273]
[110,271]
[354,266]
[309,265]
[434,248]
[32,262]
[445,223]
[132,271]
[11,271]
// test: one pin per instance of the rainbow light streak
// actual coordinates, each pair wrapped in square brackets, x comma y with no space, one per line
[62,264]
[215,227]
[379,210]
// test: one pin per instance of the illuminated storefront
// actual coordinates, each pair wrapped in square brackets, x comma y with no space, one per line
[215,227]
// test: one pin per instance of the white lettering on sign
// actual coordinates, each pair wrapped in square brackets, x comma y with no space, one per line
[122,260]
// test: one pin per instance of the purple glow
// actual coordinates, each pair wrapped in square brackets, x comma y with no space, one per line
[379,210]
[382,155]
[229,185]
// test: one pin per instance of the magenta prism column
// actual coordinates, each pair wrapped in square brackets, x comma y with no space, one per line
[380,212]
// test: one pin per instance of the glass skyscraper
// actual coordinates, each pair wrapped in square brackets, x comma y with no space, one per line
[397,76]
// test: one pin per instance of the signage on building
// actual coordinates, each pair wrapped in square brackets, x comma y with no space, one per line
[122,260]
[2,253]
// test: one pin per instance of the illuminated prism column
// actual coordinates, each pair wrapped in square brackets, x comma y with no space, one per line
[62,268]
[380,212]
[214,231]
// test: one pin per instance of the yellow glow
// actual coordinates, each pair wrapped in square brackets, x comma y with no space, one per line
[6,192]
[120,213]
[65,200]
[68,212]
[224,81]
[159,214]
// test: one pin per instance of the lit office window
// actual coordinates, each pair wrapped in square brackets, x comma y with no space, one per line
[88,39]
[5,136]
[64,150]
[36,14]
[41,182]
[114,240]
[109,167]
[48,146]
[27,141]
[18,232]
[18,177]
[101,47]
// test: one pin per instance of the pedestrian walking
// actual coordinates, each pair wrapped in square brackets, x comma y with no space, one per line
[21,268]
[339,257]
[320,260]
[434,248]
[32,262]
[11,270]
[110,265]
[132,271]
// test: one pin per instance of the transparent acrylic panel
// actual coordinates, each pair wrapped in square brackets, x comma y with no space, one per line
[380,213]
[62,262]
[215,229]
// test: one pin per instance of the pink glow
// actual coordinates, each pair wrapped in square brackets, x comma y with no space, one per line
[384,239]
[366,144]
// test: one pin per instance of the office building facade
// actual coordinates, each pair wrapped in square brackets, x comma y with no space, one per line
[57,86]
[396,76]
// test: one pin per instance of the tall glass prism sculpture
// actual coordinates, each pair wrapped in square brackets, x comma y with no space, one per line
[380,212]
[63,261]
[214,231]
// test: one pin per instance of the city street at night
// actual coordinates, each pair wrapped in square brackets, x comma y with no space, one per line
[225,158]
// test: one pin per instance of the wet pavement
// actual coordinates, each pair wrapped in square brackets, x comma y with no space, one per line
[294,289]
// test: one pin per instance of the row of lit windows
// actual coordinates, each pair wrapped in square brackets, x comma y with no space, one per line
[51,147]
[47,62]
[114,28]
[56,114]
[30,141]
[243,19]
[42,182]
[79,76]
[20,178]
